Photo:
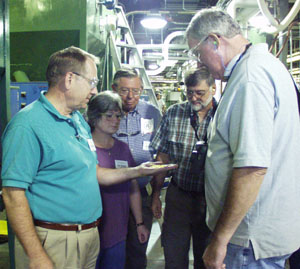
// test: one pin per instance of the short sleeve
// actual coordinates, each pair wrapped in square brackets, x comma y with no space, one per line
[251,126]
[21,157]
[160,140]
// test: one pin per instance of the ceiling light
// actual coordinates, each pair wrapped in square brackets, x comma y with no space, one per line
[153,22]
[152,66]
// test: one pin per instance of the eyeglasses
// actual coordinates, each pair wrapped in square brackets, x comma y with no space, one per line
[124,134]
[193,53]
[132,129]
[110,116]
[125,91]
[199,93]
[93,82]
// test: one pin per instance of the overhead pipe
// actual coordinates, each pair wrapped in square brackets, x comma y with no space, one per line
[147,12]
[165,53]
[285,22]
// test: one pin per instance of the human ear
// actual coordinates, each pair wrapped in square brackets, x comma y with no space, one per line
[215,41]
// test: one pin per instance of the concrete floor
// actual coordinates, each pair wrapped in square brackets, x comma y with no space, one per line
[155,252]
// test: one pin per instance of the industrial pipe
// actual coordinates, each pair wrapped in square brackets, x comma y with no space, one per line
[285,22]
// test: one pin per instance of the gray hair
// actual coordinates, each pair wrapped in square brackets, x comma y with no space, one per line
[194,77]
[212,21]
[101,103]
[125,73]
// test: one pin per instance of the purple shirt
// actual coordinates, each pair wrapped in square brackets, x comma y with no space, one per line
[115,199]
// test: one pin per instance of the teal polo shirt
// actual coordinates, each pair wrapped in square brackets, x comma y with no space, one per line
[48,155]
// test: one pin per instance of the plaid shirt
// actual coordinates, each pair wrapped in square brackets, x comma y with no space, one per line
[176,137]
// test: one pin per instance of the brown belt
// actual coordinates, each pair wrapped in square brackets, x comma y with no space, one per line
[66,227]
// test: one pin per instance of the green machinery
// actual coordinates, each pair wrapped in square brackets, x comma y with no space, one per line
[4,65]
[38,28]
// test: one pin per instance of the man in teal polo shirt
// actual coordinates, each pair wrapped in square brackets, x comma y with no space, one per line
[50,170]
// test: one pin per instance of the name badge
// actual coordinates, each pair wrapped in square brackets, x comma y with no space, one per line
[91,144]
[121,164]
[147,126]
[146,145]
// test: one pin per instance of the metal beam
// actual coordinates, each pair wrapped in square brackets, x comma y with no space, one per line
[4,66]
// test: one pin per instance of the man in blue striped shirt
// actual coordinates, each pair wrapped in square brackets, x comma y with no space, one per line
[136,129]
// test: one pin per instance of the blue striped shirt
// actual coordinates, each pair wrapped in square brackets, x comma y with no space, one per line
[137,130]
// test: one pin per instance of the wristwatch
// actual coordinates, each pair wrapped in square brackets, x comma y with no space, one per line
[140,224]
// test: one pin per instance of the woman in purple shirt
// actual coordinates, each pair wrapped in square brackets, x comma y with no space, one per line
[104,114]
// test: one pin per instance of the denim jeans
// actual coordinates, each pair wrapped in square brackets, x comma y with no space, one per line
[295,260]
[242,257]
[113,257]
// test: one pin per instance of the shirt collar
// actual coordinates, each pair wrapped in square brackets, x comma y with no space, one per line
[230,66]
[51,109]
[136,109]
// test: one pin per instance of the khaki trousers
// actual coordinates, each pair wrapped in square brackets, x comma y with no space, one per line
[67,249]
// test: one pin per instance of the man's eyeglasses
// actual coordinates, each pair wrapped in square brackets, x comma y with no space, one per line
[124,134]
[93,82]
[124,91]
[110,116]
[199,93]
[193,53]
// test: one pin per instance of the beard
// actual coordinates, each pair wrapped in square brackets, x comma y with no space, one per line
[202,105]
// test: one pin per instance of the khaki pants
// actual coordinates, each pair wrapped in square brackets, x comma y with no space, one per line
[67,249]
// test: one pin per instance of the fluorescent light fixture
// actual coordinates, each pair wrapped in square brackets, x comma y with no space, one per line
[152,66]
[153,22]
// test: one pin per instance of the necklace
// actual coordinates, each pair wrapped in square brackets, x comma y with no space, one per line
[106,148]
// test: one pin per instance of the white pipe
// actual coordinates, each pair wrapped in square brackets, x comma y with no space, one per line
[265,11]
[285,22]
[165,53]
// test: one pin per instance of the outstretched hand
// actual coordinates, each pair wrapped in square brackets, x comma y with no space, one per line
[153,168]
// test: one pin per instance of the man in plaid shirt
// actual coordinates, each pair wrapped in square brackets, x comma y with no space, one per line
[182,126]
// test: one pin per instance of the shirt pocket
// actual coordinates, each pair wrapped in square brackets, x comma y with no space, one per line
[181,146]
